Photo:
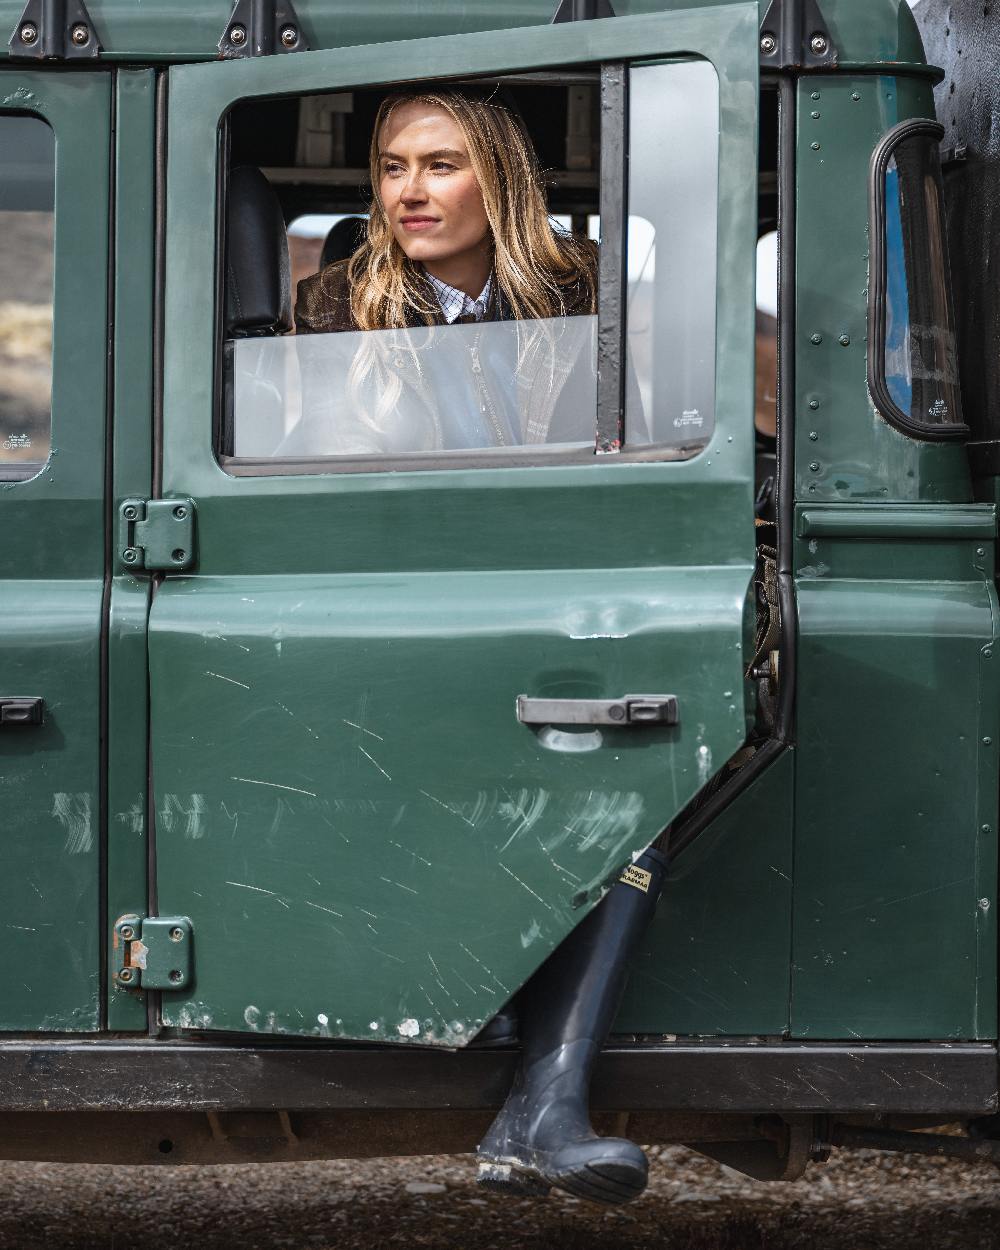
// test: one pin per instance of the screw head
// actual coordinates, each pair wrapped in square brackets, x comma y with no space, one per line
[178,554]
[125,975]
[180,512]
[768,43]
[813,436]
[130,555]
[814,467]
[616,712]
[814,146]
[175,975]
[28,33]
[130,513]
[814,404]
[819,44]
[238,35]
[289,36]
[176,934]
[844,340]
[980,551]
[127,932]
[815,338]
[80,34]
[988,652]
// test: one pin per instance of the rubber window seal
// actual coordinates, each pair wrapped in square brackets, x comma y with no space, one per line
[877,282]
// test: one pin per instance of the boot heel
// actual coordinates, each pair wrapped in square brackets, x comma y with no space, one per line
[506,1179]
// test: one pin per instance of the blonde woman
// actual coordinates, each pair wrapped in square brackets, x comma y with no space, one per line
[458,206]
[458,233]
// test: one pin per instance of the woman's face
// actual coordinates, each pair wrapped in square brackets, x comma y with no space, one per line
[430,193]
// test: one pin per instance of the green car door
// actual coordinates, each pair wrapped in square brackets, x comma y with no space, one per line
[374,803]
[54,197]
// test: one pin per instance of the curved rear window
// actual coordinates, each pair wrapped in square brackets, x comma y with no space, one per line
[912,360]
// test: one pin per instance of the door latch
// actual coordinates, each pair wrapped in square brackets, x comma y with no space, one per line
[630,709]
[153,952]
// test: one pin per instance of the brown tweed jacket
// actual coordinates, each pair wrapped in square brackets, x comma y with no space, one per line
[323,303]
[549,384]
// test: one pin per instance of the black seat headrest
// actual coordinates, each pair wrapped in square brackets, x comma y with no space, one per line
[343,240]
[258,279]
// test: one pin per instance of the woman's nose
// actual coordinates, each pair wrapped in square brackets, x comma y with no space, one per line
[413,189]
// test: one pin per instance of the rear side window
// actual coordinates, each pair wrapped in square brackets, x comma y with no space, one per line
[27,205]
[912,359]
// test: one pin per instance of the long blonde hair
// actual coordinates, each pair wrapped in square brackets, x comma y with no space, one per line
[533,264]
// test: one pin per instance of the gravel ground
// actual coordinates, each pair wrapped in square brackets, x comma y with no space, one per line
[862,1200]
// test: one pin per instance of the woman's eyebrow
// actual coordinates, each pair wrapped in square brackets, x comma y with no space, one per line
[426,156]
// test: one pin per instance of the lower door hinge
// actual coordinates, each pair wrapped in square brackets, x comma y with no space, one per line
[153,952]
[156,534]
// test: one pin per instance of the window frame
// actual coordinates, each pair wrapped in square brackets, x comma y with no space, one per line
[25,470]
[878,289]
[610,432]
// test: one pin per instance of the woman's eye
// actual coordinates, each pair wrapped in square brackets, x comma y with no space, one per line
[390,171]
[442,167]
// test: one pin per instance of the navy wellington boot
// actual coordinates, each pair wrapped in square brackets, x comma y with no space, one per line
[543,1136]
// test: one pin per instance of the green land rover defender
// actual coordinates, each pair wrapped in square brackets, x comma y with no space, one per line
[330,716]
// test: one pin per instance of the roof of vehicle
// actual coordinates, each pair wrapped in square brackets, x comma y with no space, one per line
[152,31]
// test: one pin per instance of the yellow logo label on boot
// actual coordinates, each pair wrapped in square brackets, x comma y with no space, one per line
[638,877]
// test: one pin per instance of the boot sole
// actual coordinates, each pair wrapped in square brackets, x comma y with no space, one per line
[507,1179]
[609,1182]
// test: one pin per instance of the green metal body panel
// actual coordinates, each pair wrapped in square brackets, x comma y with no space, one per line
[162,30]
[51,582]
[894,878]
[132,449]
[339,771]
[896,782]
[844,449]
[716,959]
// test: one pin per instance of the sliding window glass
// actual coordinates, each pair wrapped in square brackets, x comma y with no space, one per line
[27,208]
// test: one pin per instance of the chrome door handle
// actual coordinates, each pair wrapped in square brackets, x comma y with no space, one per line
[630,709]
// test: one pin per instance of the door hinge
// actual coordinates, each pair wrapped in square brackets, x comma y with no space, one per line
[794,35]
[55,30]
[260,28]
[153,952]
[155,534]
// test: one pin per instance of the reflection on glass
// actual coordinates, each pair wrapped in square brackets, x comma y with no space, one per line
[500,385]
[673,214]
[921,369]
[27,202]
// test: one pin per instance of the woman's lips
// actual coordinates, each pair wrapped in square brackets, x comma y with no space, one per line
[415,224]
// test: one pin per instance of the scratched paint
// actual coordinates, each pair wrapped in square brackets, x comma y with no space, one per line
[73,813]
